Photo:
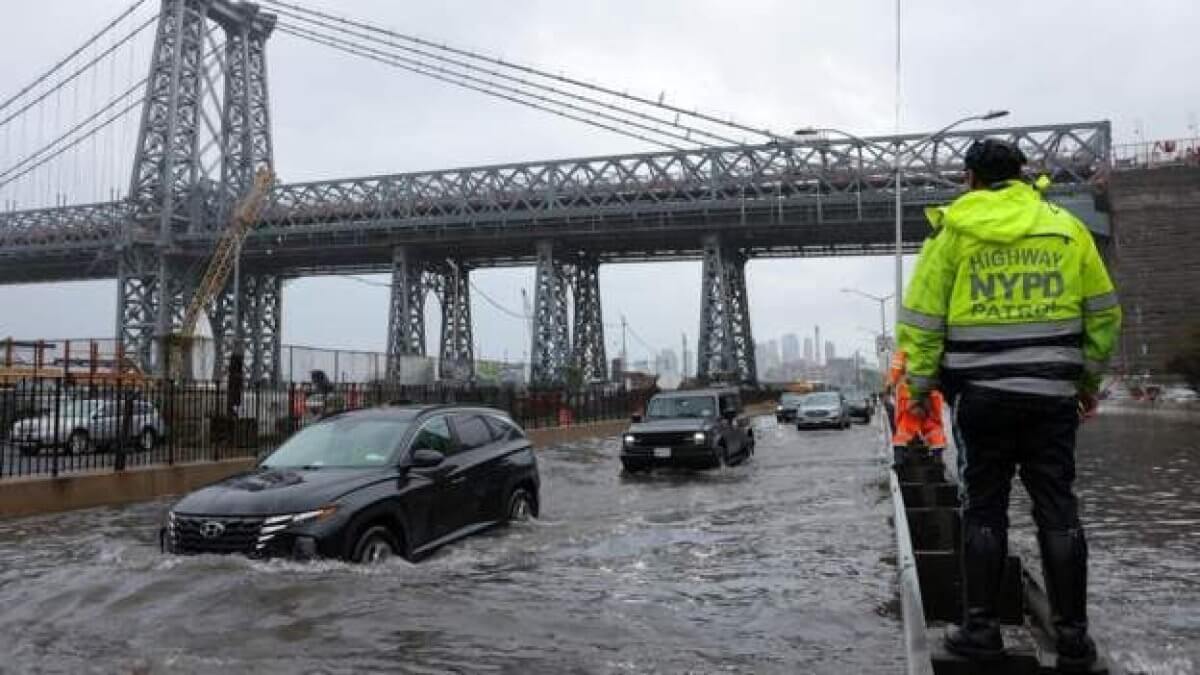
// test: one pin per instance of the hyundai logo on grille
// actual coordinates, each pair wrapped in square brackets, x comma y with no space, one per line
[212,529]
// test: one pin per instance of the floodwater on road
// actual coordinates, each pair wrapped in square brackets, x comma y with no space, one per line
[781,565]
[1138,480]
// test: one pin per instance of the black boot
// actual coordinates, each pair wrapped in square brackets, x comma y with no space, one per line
[1064,564]
[985,550]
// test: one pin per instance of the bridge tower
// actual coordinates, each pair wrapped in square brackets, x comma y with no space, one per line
[406,318]
[551,350]
[726,346]
[458,351]
[188,171]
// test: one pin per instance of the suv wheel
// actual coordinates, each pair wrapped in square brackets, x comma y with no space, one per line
[520,506]
[634,466]
[375,545]
[78,443]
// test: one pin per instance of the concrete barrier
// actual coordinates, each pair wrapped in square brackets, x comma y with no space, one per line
[43,494]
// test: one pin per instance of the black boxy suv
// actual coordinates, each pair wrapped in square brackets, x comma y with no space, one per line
[366,485]
[702,428]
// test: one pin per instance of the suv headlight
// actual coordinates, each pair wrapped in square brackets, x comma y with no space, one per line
[700,438]
[629,439]
[276,524]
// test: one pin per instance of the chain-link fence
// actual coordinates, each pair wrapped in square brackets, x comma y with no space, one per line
[104,361]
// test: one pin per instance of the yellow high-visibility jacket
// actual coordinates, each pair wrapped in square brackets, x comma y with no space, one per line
[1009,293]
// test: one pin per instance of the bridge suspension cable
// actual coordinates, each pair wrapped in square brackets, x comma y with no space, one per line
[69,57]
[330,22]
[484,86]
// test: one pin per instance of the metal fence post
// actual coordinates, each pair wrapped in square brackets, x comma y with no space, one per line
[57,424]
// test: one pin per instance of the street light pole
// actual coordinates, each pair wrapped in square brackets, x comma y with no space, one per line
[898,171]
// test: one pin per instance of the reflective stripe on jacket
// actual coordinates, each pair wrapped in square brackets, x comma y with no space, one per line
[1009,293]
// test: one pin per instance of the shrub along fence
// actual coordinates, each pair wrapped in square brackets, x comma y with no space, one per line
[49,427]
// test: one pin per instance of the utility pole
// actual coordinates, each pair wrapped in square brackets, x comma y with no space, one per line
[624,353]
[684,373]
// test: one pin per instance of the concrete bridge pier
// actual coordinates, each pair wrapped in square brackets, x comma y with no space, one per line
[726,346]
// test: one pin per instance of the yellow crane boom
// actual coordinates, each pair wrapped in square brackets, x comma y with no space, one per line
[217,273]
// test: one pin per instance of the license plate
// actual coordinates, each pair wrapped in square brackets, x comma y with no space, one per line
[662,453]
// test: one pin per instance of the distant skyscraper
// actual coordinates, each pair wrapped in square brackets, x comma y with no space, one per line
[666,362]
[817,344]
[830,354]
[791,349]
[808,349]
[772,354]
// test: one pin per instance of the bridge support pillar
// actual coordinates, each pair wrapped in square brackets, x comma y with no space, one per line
[551,349]
[587,352]
[406,315]
[458,345]
[250,324]
[726,346]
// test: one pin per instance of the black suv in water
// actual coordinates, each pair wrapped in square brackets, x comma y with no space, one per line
[367,485]
[703,428]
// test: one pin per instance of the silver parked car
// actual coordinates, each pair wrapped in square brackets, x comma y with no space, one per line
[823,409]
[85,424]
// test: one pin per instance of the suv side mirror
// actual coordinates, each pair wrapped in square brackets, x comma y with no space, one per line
[729,414]
[635,417]
[426,458]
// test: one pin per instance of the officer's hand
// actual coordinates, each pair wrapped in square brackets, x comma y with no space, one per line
[918,405]
[1088,403]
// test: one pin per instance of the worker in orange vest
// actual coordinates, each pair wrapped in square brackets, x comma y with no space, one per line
[910,421]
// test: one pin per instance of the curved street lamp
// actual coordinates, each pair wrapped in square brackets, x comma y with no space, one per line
[898,171]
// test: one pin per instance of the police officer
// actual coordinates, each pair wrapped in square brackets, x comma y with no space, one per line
[1011,311]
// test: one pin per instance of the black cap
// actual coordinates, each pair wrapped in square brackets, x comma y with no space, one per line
[993,160]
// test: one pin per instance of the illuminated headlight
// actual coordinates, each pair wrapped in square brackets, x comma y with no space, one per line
[700,438]
[778,408]
[629,439]
[276,524]
[171,523]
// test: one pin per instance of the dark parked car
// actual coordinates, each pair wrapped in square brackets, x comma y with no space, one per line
[367,485]
[786,410]
[823,409]
[703,428]
[860,405]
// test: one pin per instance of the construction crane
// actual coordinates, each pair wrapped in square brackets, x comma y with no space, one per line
[224,258]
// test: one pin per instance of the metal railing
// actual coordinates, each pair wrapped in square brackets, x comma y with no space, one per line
[50,426]
[1152,154]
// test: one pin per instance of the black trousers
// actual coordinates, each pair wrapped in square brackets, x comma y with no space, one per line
[999,434]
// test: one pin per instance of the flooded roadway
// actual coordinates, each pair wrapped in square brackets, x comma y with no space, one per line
[781,565]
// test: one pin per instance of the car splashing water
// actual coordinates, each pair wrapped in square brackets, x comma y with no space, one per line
[782,564]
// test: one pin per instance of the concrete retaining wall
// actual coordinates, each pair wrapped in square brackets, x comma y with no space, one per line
[33,495]
[1156,222]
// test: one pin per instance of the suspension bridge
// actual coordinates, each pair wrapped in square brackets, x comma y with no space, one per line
[124,160]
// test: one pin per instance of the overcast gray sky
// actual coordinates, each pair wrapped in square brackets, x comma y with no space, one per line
[782,64]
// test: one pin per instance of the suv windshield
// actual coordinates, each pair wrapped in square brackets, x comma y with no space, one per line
[350,442]
[791,399]
[822,399]
[681,406]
